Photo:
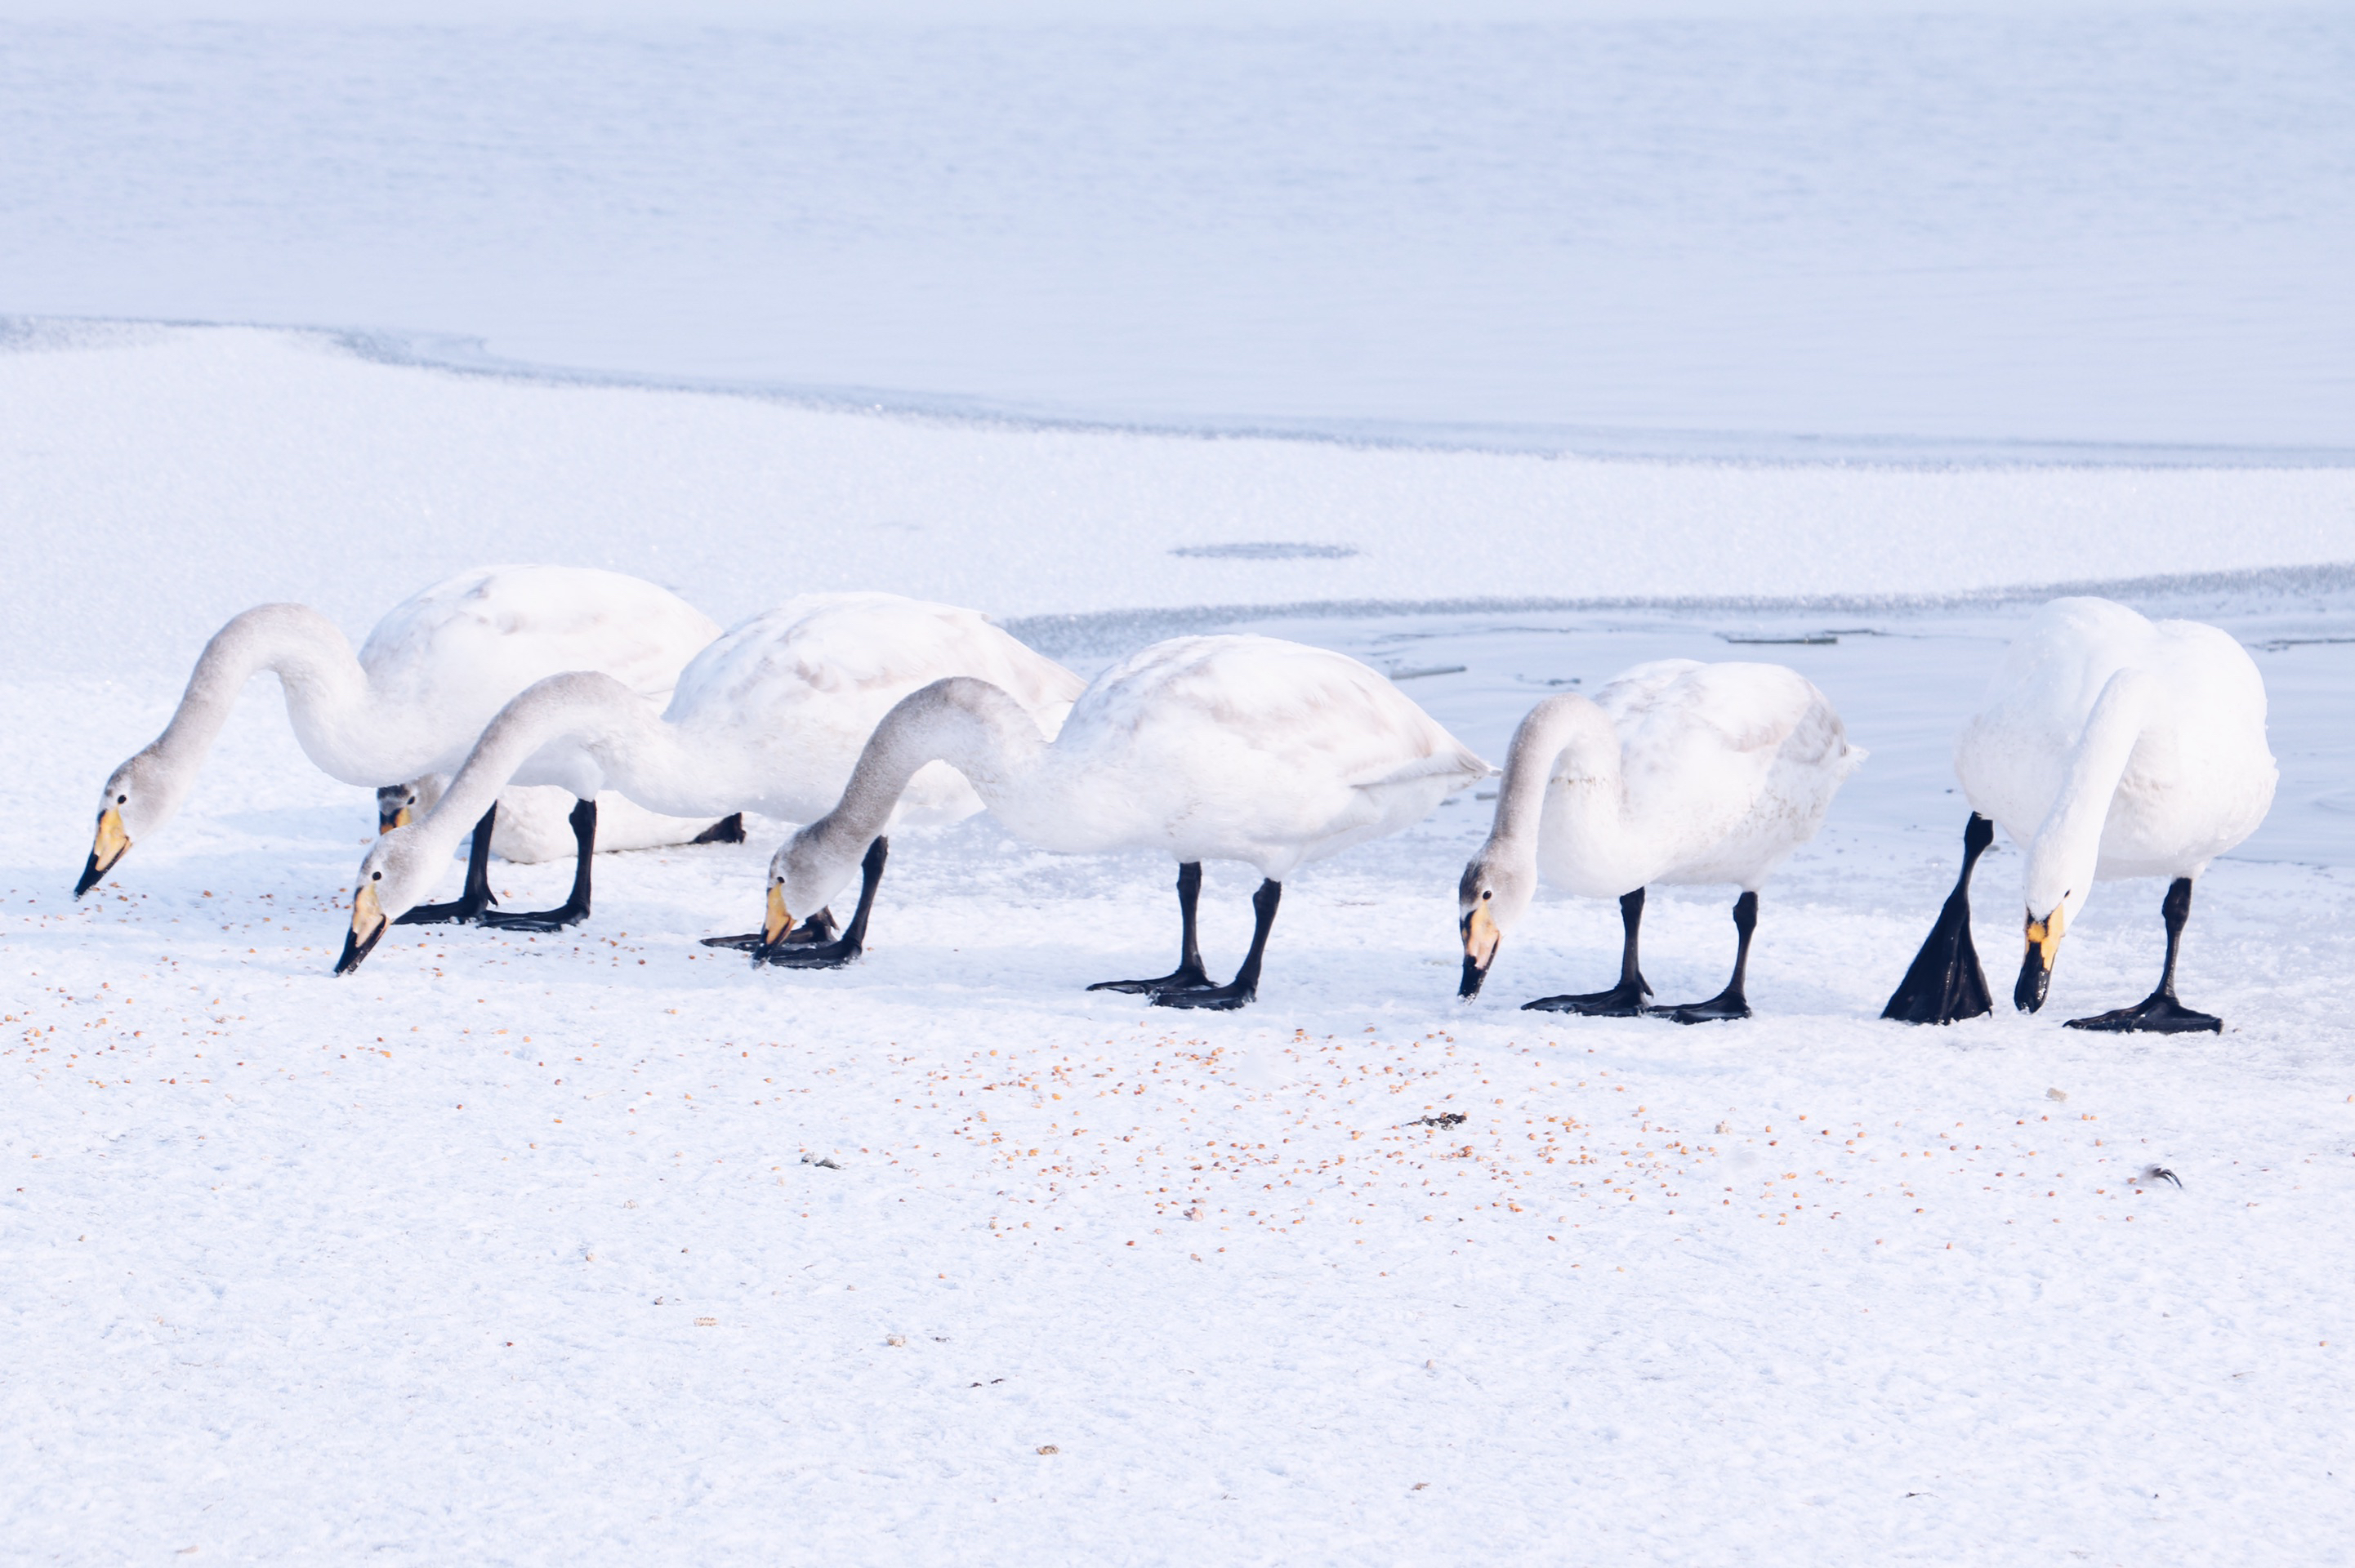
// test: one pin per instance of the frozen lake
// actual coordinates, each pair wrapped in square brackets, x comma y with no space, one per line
[2087,234]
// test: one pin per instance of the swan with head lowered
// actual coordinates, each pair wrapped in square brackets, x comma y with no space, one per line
[2111,747]
[770,717]
[1242,749]
[409,707]
[1676,772]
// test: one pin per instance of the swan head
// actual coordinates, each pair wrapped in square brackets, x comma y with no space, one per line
[393,880]
[396,807]
[803,875]
[139,798]
[2055,893]
[1494,894]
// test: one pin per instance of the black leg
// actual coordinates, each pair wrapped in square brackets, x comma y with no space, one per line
[1244,987]
[1729,1004]
[790,953]
[2159,1012]
[1189,974]
[818,927]
[575,909]
[1625,999]
[727,830]
[1945,981]
[475,898]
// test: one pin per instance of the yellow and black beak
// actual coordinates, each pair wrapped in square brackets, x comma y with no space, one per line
[2036,965]
[778,920]
[392,808]
[106,847]
[367,928]
[1480,939]
[388,820]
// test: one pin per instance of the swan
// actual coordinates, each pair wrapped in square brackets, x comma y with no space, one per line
[770,717]
[429,676]
[1675,772]
[1227,748]
[2111,747]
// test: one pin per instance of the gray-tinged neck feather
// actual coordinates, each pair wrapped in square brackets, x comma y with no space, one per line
[583,706]
[1554,725]
[312,661]
[973,727]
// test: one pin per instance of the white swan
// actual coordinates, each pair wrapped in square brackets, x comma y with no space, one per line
[2111,747]
[770,717]
[1240,748]
[1676,772]
[429,676]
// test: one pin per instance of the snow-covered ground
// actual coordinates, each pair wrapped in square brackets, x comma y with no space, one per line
[513,1249]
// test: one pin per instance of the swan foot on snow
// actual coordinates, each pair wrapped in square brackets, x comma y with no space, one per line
[1243,989]
[2160,1012]
[1629,999]
[1622,1001]
[574,909]
[727,830]
[470,904]
[818,927]
[1189,974]
[1730,1003]
[1945,983]
[788,954]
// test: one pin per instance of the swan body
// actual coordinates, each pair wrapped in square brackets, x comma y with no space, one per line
[2109,746]
[770,717]
[1675,772]
[434,671]
[1228,748]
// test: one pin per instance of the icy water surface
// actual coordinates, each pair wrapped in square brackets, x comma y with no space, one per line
[1965,234]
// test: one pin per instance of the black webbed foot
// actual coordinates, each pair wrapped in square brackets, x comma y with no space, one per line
[1626,1000]
[1944,983]
[1216,998]
[464,909]
[1723,1008]
[1187,978]
[818,927]
[791,955]
[2158,1014]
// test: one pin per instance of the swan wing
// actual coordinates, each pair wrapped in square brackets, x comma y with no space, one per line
[473,642]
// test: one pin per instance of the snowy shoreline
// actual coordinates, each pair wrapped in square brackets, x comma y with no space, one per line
[505,1249]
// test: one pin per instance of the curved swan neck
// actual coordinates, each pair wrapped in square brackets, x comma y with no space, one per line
[313,661]
[971,724]
[2067,850]
[1564,728]
[589,709]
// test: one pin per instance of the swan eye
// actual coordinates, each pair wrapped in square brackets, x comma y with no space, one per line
[122,800]
[375,876]
[1487,893]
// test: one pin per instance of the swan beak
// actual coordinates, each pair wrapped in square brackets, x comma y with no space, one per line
[387,822]
[773,928]
[2036,965]
[1480,939]
[105,849]
[367,928]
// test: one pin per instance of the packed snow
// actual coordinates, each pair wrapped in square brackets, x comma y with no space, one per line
[942,1257]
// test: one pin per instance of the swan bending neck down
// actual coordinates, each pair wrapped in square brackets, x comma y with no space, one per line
[2111,746]
[410,703]
[1675,772]
[770,717]
[1243,749]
